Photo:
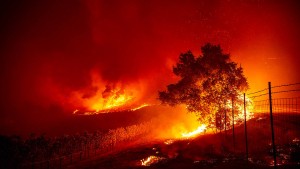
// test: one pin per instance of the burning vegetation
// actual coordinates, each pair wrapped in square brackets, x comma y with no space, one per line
[196,132]
[210,87]
[99,98]
[151,160]
[207,86]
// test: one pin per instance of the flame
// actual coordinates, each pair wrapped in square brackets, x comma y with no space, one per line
[169,142]
[112,109]
[114,101]
[239,111]
[139,107]
[103,97]
[195,133]
[151,160]
[249,110]
[194,129]
[176,123]
[75,111]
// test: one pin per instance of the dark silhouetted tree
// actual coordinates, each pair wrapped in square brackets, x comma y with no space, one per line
[207,83]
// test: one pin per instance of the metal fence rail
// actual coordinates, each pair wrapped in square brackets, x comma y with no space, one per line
[276,123]
[88,145]
[271,136]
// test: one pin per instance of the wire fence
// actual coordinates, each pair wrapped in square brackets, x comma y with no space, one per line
[40,152]
[270,135]
[273,134]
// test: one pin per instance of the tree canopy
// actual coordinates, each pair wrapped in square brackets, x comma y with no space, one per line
[207,82]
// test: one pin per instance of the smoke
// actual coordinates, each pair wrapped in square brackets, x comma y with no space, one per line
[173,122]
[51,50]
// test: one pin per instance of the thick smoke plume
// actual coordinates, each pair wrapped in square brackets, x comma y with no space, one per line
[51,51]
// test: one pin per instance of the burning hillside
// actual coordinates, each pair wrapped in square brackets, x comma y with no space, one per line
[102,96]
[170,123]
[51,47]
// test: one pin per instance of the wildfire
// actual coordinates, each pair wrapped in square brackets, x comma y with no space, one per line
[169,142]
[103,96]
[239,118]
[239,109]
[139,107]
[114,101]
[194,133]
[111,109]
[151,160]
[75,111]
[249,110]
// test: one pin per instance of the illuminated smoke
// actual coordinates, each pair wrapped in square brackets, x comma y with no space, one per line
[49,49]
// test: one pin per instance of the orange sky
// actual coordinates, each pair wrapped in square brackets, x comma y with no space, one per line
[49,49]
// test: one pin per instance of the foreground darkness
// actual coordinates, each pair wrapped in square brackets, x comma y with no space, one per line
[213,150]
[56,56]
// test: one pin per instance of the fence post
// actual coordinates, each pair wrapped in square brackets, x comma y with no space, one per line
[272,127]
[233,137]
[245,124]
[60,162]
[48,164]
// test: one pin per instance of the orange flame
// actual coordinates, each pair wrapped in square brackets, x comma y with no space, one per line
[194,129]
[103,97]
[113,101]
[176,123]
[240,107]
[151,160]
[139,107]
[196,132]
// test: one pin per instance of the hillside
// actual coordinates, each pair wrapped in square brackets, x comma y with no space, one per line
[213,150]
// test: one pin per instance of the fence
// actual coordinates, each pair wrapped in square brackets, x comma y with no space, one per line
[46,153]
[272,136]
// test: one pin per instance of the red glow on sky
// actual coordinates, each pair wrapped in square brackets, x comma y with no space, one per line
[49,49]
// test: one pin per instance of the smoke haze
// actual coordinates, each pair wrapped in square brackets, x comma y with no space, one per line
[53,50]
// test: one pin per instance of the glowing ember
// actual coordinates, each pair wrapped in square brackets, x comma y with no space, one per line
[295,140]
[75,111]
[168,142]
[151,160]
[196,132]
